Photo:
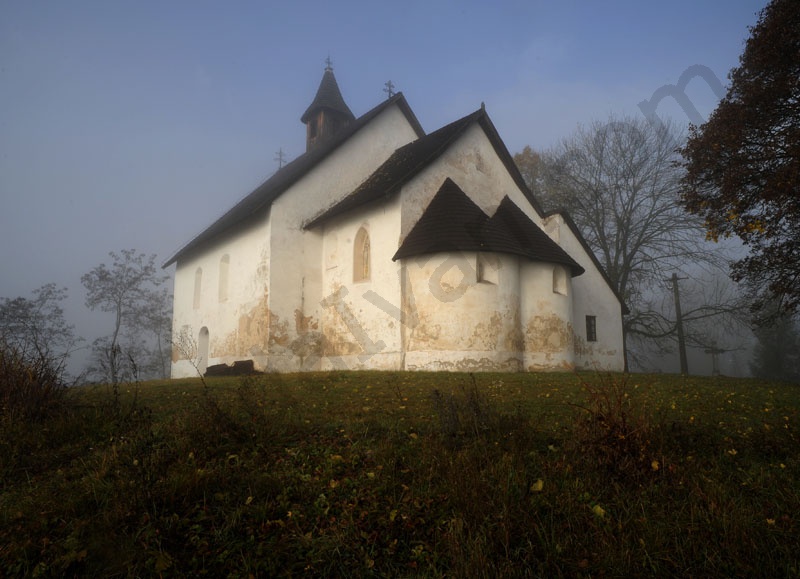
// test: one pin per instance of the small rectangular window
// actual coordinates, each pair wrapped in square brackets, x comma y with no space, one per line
[486,269]
[591,328]
[559,280]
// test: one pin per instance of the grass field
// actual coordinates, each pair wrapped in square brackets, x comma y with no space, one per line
[408,474]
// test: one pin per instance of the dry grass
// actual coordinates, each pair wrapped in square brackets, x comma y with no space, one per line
[395,474]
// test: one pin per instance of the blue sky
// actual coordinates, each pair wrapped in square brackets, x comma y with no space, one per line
[136,124]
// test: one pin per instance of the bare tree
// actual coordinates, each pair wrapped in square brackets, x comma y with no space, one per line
[130,289]
[36,328]
[620,183]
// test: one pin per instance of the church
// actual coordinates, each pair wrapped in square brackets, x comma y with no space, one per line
[384,247]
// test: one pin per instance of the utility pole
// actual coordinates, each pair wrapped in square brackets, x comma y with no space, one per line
[679,324]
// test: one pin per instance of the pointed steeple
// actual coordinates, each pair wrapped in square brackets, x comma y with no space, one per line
[328,112]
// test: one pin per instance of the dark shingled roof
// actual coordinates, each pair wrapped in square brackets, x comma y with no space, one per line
[453,222]
[263,196]
[328,97]
[412,158]
[534,243]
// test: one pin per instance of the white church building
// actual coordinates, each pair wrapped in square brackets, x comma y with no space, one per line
[383,247]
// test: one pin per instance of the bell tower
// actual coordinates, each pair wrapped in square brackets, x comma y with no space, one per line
[328,112]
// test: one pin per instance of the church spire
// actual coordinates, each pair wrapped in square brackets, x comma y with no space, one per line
[328,112]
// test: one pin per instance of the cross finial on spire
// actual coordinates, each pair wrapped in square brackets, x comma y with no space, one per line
[328,63]
[280,157]
[389,90]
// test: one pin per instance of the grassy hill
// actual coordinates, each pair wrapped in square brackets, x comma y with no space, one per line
[408,474]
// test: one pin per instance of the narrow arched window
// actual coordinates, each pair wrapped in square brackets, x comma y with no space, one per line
[361,256]
[198,282]
[224,265]
[202,350]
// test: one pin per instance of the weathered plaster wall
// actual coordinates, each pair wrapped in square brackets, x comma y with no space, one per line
[461,323]
[546,318]
[238,325]
[296,289]
[475,167]
[591,296]
[292,302]
[361,320]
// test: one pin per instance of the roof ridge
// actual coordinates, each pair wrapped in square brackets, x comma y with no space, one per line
[401,166]
[274,185]
[452,221]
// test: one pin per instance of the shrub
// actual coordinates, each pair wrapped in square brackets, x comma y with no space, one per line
[613,430]
[31,388]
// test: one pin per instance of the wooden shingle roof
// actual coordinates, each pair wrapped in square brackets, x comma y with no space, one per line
[531,241]
[262,197]
[328,97]
[399,168]
[453,222]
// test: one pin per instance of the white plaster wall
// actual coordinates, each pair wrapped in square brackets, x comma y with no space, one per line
[591,296]
[462,324]
[297,293]
[233,325]
[361,321]
[472,163]
[546,319]
[288,287]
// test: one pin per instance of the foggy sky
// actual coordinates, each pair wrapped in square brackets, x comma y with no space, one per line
[137,124]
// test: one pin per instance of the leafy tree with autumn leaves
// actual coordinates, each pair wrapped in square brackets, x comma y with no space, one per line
[743,164]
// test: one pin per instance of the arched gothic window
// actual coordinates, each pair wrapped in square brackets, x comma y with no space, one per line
[361,256]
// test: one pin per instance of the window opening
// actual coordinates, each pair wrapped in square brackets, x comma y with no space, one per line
[224,265]
[486,268]
[198,282]
[361,256]
[202,350]
[559,280]
[591,328]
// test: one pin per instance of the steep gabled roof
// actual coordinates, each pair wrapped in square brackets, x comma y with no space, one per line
[453,222]
[263,196]
[399,168]
[412,158]
[328,97]
[534,243]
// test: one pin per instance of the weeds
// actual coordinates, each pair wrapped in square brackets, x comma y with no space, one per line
[376,475]
[31,387]
[614,430]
